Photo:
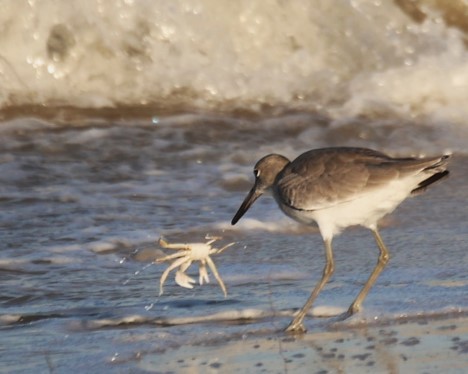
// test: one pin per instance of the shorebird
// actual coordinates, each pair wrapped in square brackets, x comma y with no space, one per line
[337,188]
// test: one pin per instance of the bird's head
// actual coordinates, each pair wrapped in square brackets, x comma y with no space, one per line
[266,170]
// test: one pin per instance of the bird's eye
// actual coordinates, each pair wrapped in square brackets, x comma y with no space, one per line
[256,173]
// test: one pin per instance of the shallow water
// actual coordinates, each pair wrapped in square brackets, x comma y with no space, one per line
[83,207]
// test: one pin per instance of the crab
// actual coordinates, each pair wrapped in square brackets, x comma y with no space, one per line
[190,252]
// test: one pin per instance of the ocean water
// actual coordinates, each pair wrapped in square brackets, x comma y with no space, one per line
[125,121]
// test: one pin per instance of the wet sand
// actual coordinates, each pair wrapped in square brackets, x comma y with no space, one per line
[416,345]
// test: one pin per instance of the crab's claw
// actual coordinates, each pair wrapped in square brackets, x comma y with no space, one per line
[183,279]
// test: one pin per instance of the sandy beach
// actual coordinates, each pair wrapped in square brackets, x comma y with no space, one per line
[430,344]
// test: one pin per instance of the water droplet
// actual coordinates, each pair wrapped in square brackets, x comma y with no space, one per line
[155,120]
[149,307]
[408,61]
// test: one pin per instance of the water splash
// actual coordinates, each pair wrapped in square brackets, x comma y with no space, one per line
[136,273]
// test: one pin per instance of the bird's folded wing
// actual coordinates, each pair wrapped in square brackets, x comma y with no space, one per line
[333,180]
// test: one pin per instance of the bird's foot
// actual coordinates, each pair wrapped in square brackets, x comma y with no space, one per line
[296,327]
[353,309]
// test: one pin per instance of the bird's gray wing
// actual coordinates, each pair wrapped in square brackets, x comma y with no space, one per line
[323,178]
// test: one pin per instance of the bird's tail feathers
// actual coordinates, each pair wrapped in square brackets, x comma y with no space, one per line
[437,170]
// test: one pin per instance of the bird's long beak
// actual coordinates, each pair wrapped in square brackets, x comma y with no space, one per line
[253,195]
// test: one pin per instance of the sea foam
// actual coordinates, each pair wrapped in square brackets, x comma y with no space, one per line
[349,59]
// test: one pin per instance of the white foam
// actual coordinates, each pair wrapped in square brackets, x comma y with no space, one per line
[11,262]
[352,57]
[327,311]
[8,319]
[282,225]
[65,248]
[433,86]
[228,315]
[102,246]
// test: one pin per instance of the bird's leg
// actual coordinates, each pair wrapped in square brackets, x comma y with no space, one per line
[382,261]
[296,324]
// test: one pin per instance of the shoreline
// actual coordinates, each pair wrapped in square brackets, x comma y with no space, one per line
[128,112]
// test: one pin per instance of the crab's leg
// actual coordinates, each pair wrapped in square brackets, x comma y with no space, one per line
[211,241]
[185,266]
[203,273]
[170,257]
[209,237]
[212,266]
[167,245]
[225,247]
[164,275]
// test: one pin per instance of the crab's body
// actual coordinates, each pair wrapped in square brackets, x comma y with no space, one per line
[189,252]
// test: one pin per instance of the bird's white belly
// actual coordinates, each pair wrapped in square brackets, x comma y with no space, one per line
[364,210]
